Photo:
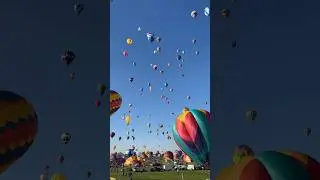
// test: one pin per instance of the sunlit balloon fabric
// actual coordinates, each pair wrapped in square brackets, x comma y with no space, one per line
[191,131]
[115,101]
[18,128]
[273,165]
[58,176]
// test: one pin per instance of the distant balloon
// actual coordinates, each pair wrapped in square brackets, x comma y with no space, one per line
[78,8]
[115,101]
[98,103]
[251,115]
[127,120]
[150,37]
[112,134]
[125,53]
[194,14]
[225,13]
[61,158]
[65,138]
[129,41]
[206,11]
[19,127]
[68,57]
[102,89]
[308,131]
[72,75]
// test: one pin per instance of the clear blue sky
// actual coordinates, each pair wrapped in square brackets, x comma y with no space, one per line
[177,29]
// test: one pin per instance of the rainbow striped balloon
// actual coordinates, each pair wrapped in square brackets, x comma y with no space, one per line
[115,101]
[191,133]
[18,128]
[273,165]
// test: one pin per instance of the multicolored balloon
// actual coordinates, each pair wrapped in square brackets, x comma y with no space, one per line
[115,101]
[273,165]
[186,159]
[191,133]
[168,155]
[19,126]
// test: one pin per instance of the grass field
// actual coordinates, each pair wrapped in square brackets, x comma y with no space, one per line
[187,175]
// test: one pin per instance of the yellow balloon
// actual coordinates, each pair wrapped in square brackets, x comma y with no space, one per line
[129,41]
[127,120]
[58,176]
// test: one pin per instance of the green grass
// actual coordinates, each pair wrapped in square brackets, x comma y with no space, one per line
[187,175]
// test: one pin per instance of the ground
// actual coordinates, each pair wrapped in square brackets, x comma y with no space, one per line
[187,175]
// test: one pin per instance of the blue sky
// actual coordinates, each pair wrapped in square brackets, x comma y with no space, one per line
[177,29]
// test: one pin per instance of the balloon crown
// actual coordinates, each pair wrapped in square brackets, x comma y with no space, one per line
[185,109]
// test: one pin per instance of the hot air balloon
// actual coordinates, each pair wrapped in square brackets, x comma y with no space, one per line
[186,159]
[240,152]
[273,165]
[58,176]
[19,126]
[61,158]
[127,120]
[65,138]
[112,134]
[102,89]
[168,155]
[68,57]
[129,41]
[78,8]
[191,132]
[115,101]
[72,75]
[251,115]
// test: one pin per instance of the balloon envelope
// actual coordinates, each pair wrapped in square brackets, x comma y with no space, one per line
[19,126]
[191,132]
[115,101]
[273,165]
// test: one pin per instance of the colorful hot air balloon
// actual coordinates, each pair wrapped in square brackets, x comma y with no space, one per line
[168,155]
[58,176]
[186,159]
[19,126]
[127,120]
[129,41]
[272,165]
[115,101]
[192,134]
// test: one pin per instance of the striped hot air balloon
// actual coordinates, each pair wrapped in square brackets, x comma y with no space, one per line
[273,165]
[18,128]
[191,131]
[115,101]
